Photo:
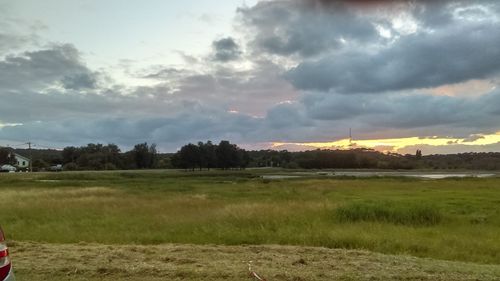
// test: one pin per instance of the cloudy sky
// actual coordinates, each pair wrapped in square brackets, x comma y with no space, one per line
[293,74]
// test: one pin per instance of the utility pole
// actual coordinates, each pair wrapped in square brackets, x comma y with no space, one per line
[31,156]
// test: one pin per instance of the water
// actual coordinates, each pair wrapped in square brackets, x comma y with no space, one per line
[444,176]
[379,174]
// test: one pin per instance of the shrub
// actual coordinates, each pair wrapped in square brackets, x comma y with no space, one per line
[70,167]
[396,212]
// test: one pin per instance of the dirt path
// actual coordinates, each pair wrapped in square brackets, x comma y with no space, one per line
[36,261]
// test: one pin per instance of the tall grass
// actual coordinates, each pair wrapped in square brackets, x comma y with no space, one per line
[396,212]
[446,219]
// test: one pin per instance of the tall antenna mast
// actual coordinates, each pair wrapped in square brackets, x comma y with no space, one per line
[350,138]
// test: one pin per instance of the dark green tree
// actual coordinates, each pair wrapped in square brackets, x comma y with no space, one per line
[227,155]
[418,154]
[144,155]
[208,155]
[190,157]
[7,157]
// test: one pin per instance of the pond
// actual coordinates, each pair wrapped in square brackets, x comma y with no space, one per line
[426,175]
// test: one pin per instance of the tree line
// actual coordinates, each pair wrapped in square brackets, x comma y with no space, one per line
[225,155]
[109,157]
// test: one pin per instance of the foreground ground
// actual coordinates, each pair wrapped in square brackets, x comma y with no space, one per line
[57,262]
[456,220]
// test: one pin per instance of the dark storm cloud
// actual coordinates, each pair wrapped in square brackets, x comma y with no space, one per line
[226,49]
[312,27]
[305,28]
[340,48]
[422,60]
[328,106]
[405,111]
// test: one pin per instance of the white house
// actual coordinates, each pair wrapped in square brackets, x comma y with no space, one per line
[22,162]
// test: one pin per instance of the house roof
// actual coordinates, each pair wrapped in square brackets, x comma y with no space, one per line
[22,157]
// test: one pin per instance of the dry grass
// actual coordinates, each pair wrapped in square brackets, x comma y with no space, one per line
[37,261]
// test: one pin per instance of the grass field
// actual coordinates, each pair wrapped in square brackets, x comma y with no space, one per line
[449,219]
[62,262]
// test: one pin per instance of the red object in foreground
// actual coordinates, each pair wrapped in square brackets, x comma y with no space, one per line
[4,257]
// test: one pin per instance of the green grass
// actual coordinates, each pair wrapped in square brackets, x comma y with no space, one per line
[396,212]
[453,219]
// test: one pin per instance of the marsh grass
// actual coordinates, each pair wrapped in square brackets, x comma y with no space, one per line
[444,219]
[396,212]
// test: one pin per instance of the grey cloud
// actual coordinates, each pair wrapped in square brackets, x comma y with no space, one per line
[80,81]
[248,91]
[15,34]
[423,60]
[305,28]
[293,122]
[314,27]
[165,73]
[473,138]
[330,106]
[449,149]
[168,132]
[9,42]
[286,115]
[226,49]
[44,68]
[445,48]
[404,111]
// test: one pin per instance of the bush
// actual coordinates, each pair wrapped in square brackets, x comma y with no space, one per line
[405,213]
[70,167]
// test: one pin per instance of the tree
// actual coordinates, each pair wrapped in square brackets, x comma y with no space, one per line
[93,156]
[227,155]
[243,158]
[190,157]
[144,155]
[418,154]
[40,165]
[208,155]
[7,157]
[70,154]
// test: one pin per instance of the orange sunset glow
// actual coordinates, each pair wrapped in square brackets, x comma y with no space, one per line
[395,144]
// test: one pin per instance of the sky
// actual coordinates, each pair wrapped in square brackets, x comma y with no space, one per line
[279,74]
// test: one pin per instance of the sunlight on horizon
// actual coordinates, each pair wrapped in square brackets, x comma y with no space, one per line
[395,144]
